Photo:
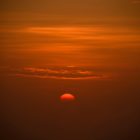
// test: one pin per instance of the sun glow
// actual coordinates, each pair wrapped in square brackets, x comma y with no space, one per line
[67,97]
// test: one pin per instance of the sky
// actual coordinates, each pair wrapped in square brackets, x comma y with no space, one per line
[88,48]
[71,26]
[63,12]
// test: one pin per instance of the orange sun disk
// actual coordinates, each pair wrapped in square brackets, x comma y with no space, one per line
[67,97]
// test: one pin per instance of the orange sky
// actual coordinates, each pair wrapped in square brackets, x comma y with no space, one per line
[72,32]
[88,48]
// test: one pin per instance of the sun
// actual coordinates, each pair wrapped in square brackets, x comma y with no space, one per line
[67,97]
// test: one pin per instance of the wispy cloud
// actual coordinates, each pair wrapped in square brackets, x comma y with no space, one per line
[60,73]
[86,33]
[62,77]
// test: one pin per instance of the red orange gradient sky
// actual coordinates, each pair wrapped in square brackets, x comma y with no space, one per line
[71,32]
[88,48]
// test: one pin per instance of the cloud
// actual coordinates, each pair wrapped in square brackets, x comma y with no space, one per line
[61,77]
[68,36]
[85,33]
[60,73]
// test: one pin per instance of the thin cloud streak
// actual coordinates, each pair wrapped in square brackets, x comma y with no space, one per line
[63,73]
[87,33]
[71,35]
[63,78]
[50,71]
[83,33]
